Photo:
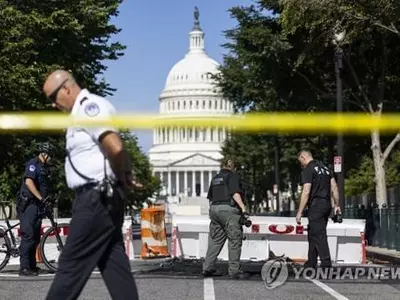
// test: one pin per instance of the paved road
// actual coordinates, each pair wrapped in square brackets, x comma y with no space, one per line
[172,288]
[170,281]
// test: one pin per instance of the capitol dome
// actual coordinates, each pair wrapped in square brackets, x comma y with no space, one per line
[185,159]
[194,70]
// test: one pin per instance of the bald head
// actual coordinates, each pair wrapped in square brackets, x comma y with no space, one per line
[61,89]
[55,79]
[304,157]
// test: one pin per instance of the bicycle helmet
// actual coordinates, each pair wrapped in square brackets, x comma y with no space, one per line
[45,148]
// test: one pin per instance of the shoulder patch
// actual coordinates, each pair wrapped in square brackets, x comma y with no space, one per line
[32,168]
[92,109]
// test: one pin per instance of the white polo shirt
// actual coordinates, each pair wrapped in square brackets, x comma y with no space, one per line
[82,144]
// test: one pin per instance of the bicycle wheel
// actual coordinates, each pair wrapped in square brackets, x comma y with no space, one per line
[5,251]
[51,245]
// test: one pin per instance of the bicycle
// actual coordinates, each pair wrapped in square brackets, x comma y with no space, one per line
[10,246]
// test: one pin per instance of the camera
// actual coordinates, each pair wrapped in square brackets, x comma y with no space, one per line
[337,218]
[244,221]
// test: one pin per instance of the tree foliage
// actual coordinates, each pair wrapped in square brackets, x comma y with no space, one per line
[282,58]
[142,170]
[37,37]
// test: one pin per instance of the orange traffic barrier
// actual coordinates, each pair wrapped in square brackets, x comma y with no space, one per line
[38,256]
[153,232]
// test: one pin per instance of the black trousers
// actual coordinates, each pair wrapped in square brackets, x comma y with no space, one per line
[318,215]
[95,239]
[30,225]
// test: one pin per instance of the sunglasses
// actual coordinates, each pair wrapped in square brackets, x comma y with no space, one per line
[53,96]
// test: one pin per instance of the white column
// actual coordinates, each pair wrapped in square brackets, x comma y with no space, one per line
[193,183]
[169,183]
[162,181]
[176,132]
[177,183]
[201,183]
[185,184]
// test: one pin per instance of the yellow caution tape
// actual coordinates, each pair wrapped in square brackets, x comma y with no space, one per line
[266,122]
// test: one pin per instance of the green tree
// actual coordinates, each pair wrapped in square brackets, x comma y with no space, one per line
[371,57]
[35,39]
[258,74]
[281,58]
[142,169]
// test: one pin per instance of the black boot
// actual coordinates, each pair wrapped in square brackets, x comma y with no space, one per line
[27,272]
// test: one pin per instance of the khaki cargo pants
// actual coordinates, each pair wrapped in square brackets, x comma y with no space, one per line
[224,225]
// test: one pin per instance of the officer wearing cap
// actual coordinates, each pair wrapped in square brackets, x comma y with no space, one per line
[34,188]
[318,191]
[226,210]
[99,170]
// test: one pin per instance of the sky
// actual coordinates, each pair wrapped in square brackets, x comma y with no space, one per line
[156,33]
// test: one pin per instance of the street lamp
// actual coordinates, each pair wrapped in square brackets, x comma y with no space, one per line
[338,160]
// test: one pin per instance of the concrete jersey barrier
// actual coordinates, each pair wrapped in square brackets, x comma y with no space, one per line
[281,235]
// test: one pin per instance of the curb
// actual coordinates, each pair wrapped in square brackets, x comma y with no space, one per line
[140,267]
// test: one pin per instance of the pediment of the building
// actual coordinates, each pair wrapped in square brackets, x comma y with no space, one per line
[196,160]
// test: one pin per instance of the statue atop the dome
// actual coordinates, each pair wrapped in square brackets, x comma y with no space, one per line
[196,19]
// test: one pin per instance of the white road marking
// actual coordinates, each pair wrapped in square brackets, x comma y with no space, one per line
[329,290]
[209,293]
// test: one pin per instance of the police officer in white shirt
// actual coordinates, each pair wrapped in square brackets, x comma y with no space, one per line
[98,169]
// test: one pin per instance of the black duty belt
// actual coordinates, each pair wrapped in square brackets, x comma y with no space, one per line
[85,187]
[93,185]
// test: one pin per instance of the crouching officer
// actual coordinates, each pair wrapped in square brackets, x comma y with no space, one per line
[226,213]
[34,188]
[319,186]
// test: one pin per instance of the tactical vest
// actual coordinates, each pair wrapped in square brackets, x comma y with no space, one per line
[220,190]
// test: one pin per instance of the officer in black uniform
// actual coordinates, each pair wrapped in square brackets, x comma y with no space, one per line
[319,189]
[226,210]
[34,188]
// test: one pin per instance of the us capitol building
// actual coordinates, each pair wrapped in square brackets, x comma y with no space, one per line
[185,159]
